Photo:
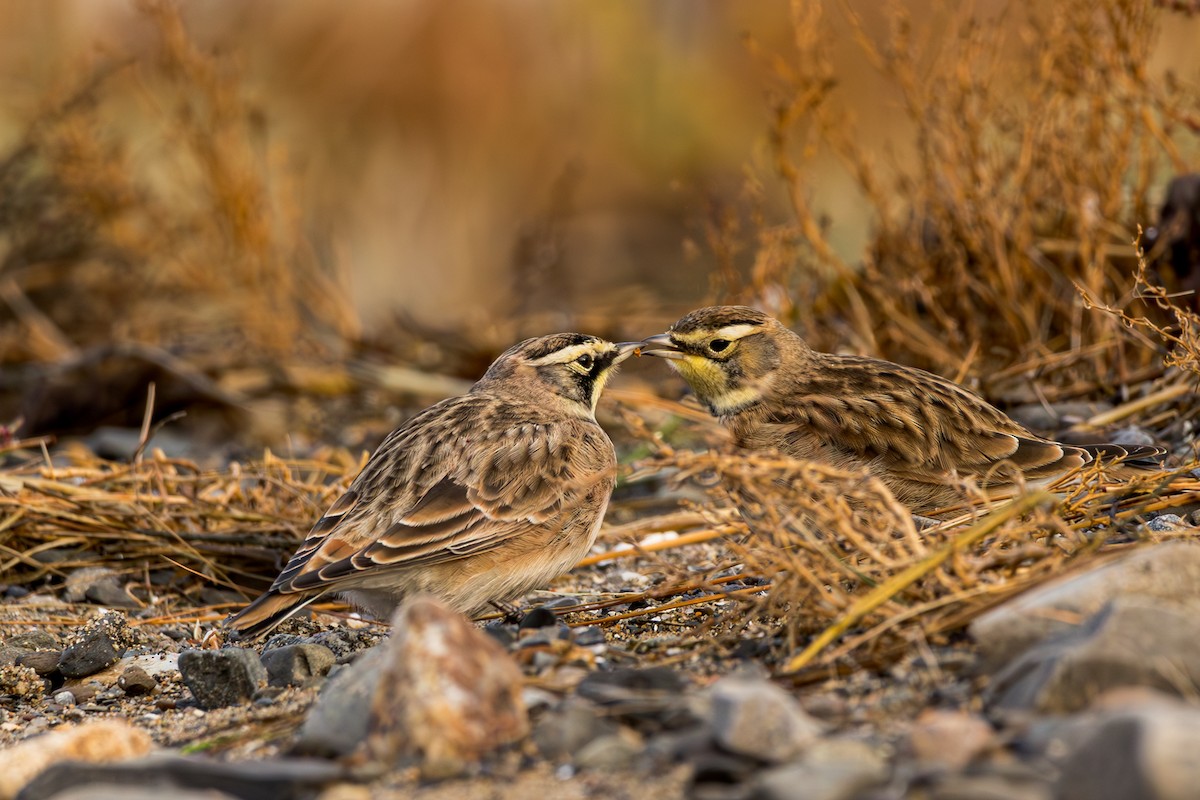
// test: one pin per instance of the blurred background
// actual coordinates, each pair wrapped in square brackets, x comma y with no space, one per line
[256,204]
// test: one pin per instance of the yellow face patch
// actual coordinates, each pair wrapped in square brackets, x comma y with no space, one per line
[708,380]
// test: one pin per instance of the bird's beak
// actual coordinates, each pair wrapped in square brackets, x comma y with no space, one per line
[625,350]
[661,346]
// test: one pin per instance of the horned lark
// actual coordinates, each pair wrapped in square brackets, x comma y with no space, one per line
[477,499]
[918,432]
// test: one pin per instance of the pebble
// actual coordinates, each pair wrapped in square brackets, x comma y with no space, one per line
[950,738]
[753,717]
[1133,641]
[834,769]
[190,778]
[219,678]
[589,636]
[43,662]
[538,617]
[1147,753]
[1165,523]
[95,651]
[563,731]
[34,640]
[135,682]
[1168,572]
[297,664]
[650,699]
[610,753]
[448,692]
[337,722]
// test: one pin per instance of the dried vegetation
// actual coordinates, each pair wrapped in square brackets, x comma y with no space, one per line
[1003,255]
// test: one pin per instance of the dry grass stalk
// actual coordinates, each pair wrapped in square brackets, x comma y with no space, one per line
[849,571]
[164,219]
[229,528]
[1034,145]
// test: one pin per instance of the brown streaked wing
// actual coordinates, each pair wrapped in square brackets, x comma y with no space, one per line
[491,491]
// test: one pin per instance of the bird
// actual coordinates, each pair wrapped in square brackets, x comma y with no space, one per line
[476,500]
[919,433]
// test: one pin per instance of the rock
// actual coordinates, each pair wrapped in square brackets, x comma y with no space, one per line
[1168,572]
[1134,641]
[9,655]
[833,769]
[1165,523]
[1131,435]
[537,617]
[753,717]
[994,782]
[135,682]
[343,642]
[219,678]
[93,742]
[174,776]
[95,651]
[297,664]
[949,738]
[118,791]
[448,692]
[34,640]
[1043,417]
[75,587]
[563,731]
[609,753]
[43,662]
[337,723]
[98,585]
[590,635]
[650,700]
[1148,753]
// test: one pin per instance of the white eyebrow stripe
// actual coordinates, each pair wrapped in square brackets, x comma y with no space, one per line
[734,332]
[567,354]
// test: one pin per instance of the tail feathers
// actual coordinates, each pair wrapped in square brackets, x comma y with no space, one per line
[1143,456]
[265,613]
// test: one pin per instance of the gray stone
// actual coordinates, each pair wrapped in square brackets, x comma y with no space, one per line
[649,700]
[1149,753]
[43,662]
[92,653]
[1165,523]
[76,585]
[1131,435]
[172,776]
[1011,783]
[34,640]
[337,723]
[609,753]
[1050,417]
[754,717]
[833,769]
[297,664]
[563,731]
[1167,572]
[949,738]
[219,678]
[1134,641]
[99,585]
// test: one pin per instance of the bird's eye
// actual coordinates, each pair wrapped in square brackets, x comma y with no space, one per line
[717,345]
[585,361]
